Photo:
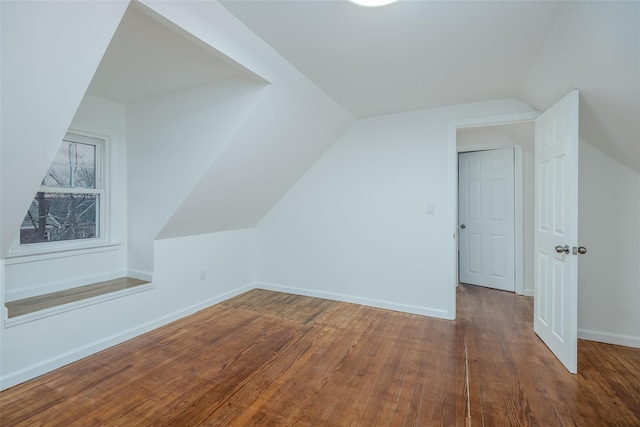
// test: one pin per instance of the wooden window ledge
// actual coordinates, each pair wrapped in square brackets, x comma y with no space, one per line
[32,308]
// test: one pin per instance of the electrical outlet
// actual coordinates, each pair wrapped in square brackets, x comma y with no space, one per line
[203,274]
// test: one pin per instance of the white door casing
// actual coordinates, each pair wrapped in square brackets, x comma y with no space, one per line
[452,248]
[556,225]
[486,218]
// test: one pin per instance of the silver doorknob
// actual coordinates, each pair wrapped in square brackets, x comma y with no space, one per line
[561,249]
[582,250]
[463,226]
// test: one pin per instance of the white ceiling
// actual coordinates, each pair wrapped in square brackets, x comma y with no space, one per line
[422,54]
[147,59]
[408,55]
[412,55]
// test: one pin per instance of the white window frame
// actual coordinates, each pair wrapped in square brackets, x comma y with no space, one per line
[104,165]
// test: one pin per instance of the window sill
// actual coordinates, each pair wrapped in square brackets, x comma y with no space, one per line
[36,308]
[30,254]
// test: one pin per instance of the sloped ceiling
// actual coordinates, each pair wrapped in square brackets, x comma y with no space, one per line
[190,71]
[595,47]
[408,55]
[147,59]
[41,91]
[421,54]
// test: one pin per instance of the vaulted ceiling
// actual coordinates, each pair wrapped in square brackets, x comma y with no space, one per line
[408,55]
[147,59]
[420,54]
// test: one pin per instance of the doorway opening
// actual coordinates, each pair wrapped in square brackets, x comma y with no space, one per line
[495,206]
[555,223]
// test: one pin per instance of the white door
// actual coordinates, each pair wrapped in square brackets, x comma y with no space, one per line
[556,230]
[486,218]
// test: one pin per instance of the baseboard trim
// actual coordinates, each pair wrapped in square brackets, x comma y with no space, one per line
[609,338]
[141,275]
[405,308]
[81,352]
[76,354]
[528,292]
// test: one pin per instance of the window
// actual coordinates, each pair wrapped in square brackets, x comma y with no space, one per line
[71,202]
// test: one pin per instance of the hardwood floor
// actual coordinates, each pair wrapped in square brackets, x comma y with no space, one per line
[273,359]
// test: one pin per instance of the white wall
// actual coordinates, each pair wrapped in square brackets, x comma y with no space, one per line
[609,226]
[355,227]
[40,91]
[188,126]
[33,348]
[286,132]
[28,276]
[223,165]
[2,298]
[172,142]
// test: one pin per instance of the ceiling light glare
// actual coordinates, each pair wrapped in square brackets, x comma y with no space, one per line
[373,3]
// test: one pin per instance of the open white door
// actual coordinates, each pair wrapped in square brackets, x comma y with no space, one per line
[486,218]
[556,230]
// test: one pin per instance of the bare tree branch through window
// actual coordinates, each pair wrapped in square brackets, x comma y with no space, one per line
[67,207]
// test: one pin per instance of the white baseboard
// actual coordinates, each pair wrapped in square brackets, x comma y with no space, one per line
[37,369]
[140,275]
[528,292]
[405,308]
[42,367]
[609,338]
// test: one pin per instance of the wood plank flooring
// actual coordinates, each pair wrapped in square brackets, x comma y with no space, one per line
[55,299]
[272,359]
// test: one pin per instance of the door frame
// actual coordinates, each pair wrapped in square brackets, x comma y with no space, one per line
[503,119]
[518,208]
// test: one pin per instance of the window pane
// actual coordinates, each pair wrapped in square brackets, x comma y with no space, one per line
[74,166]
[60,216]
